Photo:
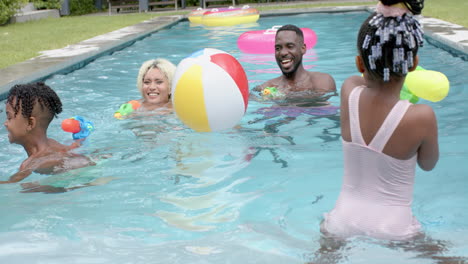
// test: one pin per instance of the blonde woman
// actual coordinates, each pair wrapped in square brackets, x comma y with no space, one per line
[154,83]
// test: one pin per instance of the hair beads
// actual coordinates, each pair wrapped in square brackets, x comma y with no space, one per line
[390,44]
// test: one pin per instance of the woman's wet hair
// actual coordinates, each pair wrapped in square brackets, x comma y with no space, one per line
[165,66]
[25,96]
[388,45]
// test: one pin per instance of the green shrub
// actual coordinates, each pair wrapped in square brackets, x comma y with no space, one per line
[81,7]
[47,4]
[8,9]
[192,3]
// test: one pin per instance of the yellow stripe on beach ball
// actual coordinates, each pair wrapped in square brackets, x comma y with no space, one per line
[189,96]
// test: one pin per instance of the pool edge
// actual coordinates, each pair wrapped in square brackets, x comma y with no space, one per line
[76,56]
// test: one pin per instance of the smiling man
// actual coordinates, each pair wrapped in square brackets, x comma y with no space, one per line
[295,80]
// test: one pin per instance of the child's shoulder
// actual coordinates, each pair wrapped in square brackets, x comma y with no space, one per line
[421,114]
[350,83]
[354,81]
[56,158]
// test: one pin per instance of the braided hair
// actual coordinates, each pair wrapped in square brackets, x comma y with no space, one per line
[27,95]
[388,45]
[415,6]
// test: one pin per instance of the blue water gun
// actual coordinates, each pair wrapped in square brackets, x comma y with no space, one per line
[79,126]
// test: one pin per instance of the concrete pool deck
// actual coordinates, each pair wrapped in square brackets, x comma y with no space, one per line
[451,37]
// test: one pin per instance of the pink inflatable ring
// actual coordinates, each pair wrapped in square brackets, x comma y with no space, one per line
[263,41]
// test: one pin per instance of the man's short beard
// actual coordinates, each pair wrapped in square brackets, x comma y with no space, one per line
[289,74]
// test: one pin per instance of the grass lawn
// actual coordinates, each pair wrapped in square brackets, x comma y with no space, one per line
[453,11]
[22,41]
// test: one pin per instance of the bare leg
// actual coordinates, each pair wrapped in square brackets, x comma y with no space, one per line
[430,248]
[332,250]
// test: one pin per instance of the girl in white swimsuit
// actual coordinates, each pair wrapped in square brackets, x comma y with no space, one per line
[383,137]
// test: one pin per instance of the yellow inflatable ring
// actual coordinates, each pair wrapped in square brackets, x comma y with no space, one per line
[229,16]
[196,15]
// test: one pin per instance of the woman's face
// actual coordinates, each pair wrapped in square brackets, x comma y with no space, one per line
[156,88]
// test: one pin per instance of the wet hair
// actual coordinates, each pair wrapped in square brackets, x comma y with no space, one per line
[294,28]
[165,66]
[415,6]
[25,96]
[388,45]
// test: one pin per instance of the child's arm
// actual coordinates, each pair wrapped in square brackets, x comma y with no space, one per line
[76,143]
[30,187]
[19,176]
[30,165]
[428,152]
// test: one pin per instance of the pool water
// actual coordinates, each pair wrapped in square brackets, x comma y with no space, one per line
[250,195]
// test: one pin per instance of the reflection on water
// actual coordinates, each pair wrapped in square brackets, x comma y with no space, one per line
[208,198]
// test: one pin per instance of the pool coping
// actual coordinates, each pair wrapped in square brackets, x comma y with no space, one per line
[448,36]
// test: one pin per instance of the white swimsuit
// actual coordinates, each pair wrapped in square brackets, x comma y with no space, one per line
[377,190]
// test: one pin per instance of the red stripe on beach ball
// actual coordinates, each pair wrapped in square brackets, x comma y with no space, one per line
[235,70]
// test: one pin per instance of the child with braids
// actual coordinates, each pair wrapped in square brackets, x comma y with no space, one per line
[383,140]
[30,108]
[383,137]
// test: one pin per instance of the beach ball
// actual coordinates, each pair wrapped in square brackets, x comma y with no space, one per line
[210,91]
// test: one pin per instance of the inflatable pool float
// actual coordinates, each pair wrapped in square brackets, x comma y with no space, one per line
[229,16]
[196,15]
[263,41]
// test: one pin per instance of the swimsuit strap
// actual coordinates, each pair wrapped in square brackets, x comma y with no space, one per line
[389,125]
[354,124]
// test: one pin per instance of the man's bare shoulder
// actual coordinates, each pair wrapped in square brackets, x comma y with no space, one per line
[323,82]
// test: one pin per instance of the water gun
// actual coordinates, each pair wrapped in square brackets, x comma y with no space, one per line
[271,92]
[426,84]
[405,94]
[79,126]
[127,108]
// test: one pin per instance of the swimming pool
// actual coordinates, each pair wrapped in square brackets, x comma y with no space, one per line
[254,195]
